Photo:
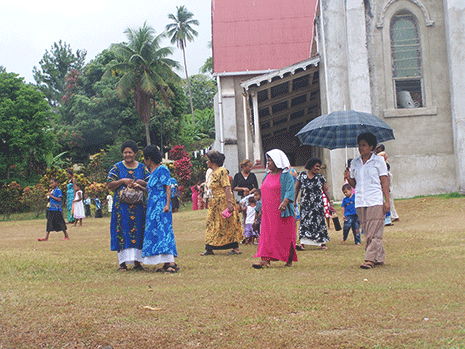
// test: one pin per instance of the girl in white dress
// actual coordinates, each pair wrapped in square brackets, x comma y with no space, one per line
[78,205]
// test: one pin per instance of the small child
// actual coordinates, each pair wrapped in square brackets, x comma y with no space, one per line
[78,206]
[87,204]
[98,206]
[350,215]
[55,219]
[249,213]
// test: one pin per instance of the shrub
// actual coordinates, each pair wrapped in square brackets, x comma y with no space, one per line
[34,198]
[10,199]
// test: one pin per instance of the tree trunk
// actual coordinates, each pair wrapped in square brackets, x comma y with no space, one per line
[147,132]
[188,84]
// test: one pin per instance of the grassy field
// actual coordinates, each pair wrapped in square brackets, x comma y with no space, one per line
[68,294]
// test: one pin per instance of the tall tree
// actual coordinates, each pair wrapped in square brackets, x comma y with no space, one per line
[145,71]
[54,66]
[25,136]
[180,32]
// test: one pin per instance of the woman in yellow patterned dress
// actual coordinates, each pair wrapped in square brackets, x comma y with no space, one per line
[221,233]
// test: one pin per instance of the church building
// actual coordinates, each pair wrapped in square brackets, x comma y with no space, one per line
[280,64]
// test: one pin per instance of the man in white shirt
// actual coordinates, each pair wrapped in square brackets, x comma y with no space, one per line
[369,176]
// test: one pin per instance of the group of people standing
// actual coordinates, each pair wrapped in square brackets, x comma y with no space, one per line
[142,231]
[279,192]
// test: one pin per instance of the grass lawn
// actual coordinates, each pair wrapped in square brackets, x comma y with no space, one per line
[68,294]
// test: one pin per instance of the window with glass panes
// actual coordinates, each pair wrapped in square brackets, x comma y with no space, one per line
[406,61]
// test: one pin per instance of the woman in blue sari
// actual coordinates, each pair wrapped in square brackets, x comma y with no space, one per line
[159,245]
[127,220]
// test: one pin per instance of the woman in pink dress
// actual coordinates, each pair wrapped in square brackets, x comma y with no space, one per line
[277,232]
[195,196]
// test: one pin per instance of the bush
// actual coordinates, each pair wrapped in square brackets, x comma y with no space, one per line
[34,199]
[10,199]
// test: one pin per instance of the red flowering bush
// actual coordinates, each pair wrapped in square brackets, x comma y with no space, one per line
[182,168]
[178,152]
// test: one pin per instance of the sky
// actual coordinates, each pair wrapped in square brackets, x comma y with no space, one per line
[29,27]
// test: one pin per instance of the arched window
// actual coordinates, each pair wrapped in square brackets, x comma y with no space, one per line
[406,61]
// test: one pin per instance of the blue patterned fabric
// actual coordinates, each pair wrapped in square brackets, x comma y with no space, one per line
[69,200]
[127,221]
[341,128]
[54,204]
[159,235]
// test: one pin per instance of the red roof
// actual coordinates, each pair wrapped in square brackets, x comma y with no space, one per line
[257,35]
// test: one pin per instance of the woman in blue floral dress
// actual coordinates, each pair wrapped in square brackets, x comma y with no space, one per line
[159,245]
[127,221]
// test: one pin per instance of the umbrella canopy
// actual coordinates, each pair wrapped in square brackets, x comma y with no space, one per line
[341,128]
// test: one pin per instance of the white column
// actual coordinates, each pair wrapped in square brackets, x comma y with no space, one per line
[357,57]
[220,110]
[256,145]
[246,127]
[454,11]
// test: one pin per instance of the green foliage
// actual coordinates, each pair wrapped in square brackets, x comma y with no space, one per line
[34,199]
[54,66]
[144,71]
[10,195]
[24,129]
[203,92]
[202,133]
[207,67]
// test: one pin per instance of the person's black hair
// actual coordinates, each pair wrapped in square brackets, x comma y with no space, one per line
[69,171]
[151,152]
[312,162]
[368,137]
[129,144]
[388,166]
[349,161]
[216,157]
[381,145]
[251,200]
[54,179]
[346,187]
[258,191]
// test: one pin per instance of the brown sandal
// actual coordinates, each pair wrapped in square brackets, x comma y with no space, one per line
[367,265]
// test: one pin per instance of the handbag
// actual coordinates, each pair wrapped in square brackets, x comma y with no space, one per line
[335,218]
[131,196]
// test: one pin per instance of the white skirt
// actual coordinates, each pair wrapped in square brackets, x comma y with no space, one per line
[129,256]
[79,210]
[158,259]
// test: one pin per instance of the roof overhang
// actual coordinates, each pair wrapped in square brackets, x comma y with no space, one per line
[258,80]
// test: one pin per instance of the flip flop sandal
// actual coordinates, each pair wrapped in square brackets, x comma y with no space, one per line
[260,265]
[207,253]
[170,270]
[42,239]
[123,268]
[367,265]
[232,252]
[140,267]
[175,267]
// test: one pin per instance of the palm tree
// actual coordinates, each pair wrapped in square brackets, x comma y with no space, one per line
[145,70]
[180,32]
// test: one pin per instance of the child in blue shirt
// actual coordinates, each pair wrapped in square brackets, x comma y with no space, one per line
[55,220]
[350,215]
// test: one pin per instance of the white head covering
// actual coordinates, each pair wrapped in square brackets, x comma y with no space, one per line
[280,159]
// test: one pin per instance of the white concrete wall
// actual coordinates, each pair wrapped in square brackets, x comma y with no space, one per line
[454,13]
